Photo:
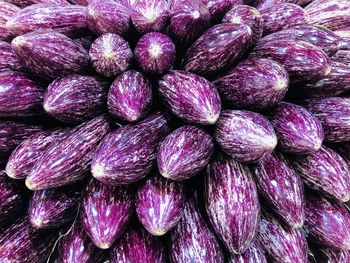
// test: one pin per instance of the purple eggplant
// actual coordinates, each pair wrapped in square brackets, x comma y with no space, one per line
[336,256]
[281,244]
[328,222]
[297,129]
[50,54]
[105,212]
[244,135]
[75,98]
[127,154]
[110,55]
[264,4]
[343,149]
[342,56]
[108,16]
[7,10]
[253,84]
[130,96]
[218,8]
[8,58]
[344,34]
[24,3]
[159,204]
[155,53]
[19,96]
[254,254]
[190,97]
[192,240]
[149,15]
[68,160]
[230,42]
[282,188]
[325,171]
[53,208]
[244,14]
[184,153]
[232,204]
[138,246]
[334,114]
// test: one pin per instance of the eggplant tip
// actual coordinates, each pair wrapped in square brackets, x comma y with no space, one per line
[18,41]
[97,171]
[10,172]
[104,246]
[213,118]
[37,222]
[30,185]
[346,198]
[158,232]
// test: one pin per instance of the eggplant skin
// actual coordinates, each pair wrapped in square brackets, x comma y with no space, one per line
[126,155]
[336,256]
[21,243]
[343,149]
[24,3]
[297,129]
[138,246]
[218,8]
[60,165]
[254,254]
[105,212]
[8,58]
[245,136]
[236,221]
[184,153]
[7,10]
[327,222]
[325,171]
[342,56]
[159,204]
[253,84]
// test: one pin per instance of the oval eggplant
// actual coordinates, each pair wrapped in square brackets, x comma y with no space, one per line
[184,153]
[230,42]
[253,84]
[218,8]
[336,256]
[50,54]
[7,10]
[190,97]
[155,53]
[325,171]
[8,58]
[68,160]
[24,3]
[342,56]
[254,254]
[232,203]
[264,4]
[105,212]
[244,135]
[297,129]
[344,34]
[127,154]
[75,98]
[110,55]
[130,96]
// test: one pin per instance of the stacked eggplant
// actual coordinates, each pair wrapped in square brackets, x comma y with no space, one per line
[182,131]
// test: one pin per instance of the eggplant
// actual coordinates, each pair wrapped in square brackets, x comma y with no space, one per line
[344,35]
[342,56]
[218,8]
[254,254]
[336,256]
[8,58]
[343,149]
[264,4]
[24,3]
[7,10]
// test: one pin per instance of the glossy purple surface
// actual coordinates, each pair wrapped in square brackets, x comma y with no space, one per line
[7,10]
[254,254]
[344,34]
[8,58]
[218,8]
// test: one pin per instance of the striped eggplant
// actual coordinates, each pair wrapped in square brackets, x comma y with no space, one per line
[138,246]
[127,154]
[75,98]
[302,60]
[159,204]
[334,114]
[253,84]
[190,97]
[254,254]
[24,3]
[281,244]
[105,212]
[344,34]
[66,19]
[325,171]
[232,203]
[343,149]
[76,247]
[342,56]
[11,199]
[19,96]
[244,135]
[107,16]
[264,4]
[50,54]
[7,10]
[218,8]
[184,153]
[22,243]
[298,130]
[282,188]
[336,256]
[149,15]
[80,2]
[244,14]
[26,154]
[192,239]
[230,42]
[110,55]
[130,96]
[155,53]
[53,208]
[68,160]
[8,58]
[327,222]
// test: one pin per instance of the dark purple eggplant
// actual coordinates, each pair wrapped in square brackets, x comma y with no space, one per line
[232,203]
[254,254]
[127,154]
[68,160]
[253,84]
[190,97]
[342,56]
[7,10]
[184,153]
[159,204]
[245,135]
[218,8]
[8,58]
